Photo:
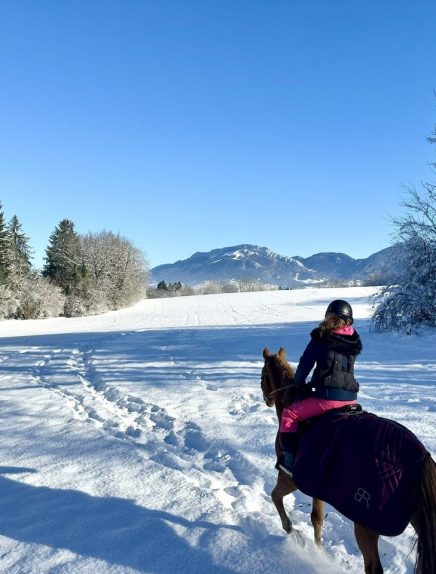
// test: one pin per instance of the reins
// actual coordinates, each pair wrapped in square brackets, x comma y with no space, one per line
[269,395]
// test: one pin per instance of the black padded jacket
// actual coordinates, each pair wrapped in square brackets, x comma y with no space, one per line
[333,356]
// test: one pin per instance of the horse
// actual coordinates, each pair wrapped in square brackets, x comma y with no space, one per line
[279,389]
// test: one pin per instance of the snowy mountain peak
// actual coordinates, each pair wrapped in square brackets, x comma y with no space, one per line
[253,262]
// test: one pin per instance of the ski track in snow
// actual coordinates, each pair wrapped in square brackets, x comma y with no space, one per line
[177,390]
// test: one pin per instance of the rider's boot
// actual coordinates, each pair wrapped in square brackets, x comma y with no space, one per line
[288,443]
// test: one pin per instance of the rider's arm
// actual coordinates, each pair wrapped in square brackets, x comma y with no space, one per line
[307,361]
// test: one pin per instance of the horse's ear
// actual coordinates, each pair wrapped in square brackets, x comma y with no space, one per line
[282,353]
[266,353]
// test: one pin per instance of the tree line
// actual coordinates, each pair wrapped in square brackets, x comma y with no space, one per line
[177,289]
[82,274]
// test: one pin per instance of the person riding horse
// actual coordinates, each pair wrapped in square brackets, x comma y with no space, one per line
[372,470]
[332,349]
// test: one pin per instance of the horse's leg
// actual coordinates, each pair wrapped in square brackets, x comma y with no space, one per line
[317,518]
[283,487]
[368,544]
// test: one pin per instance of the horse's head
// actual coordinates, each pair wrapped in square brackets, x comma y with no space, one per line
[277,377]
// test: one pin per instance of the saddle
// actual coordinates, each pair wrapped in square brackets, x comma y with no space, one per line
[365,466]
[345,410]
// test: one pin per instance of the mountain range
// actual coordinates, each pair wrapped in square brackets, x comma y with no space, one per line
[255,263]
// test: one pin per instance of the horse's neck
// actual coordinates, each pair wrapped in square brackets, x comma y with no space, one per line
[280,379]
[280,396]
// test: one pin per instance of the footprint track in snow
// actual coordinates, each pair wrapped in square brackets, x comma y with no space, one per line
[73,375]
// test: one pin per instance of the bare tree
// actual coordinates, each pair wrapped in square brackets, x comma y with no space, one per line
[117,269]
[409,301]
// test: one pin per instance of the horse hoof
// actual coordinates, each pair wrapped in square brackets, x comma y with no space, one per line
[287,526]
[298,538]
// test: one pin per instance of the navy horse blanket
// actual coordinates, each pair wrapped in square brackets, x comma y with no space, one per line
[365,466]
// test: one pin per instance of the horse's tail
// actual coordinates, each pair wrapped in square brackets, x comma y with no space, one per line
[424,520]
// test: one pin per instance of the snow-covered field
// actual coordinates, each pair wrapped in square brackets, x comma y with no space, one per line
[138,441]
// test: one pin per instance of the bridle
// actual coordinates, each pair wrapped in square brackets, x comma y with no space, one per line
[269,397]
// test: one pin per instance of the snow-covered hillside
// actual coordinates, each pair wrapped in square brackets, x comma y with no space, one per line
[138,441]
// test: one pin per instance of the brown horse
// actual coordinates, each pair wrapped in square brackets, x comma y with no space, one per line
[278,386]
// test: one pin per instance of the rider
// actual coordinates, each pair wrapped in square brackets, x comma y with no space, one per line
[332,349]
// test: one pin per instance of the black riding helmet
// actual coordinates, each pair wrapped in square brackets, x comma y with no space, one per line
[342,309]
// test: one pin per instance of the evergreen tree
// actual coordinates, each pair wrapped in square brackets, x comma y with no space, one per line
[20,253]
[5,254]
[410,300]
[64,261]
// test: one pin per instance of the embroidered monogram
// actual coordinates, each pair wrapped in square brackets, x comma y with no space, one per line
[362,495]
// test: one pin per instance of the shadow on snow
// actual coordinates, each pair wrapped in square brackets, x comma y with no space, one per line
[114,530]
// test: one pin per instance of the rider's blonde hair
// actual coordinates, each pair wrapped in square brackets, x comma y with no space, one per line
[332,322]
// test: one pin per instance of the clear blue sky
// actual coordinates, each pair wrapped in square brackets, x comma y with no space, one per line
[187,125]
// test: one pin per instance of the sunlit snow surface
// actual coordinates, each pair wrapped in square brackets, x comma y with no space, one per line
[138,441]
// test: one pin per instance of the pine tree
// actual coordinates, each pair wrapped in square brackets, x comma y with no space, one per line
[5,254]
[64,261]
[20,252]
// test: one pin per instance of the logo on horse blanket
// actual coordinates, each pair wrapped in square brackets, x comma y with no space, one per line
[366,466]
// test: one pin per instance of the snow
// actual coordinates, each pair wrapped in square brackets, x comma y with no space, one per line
[138,440]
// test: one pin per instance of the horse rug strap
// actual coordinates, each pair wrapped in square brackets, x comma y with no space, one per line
[365,466]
